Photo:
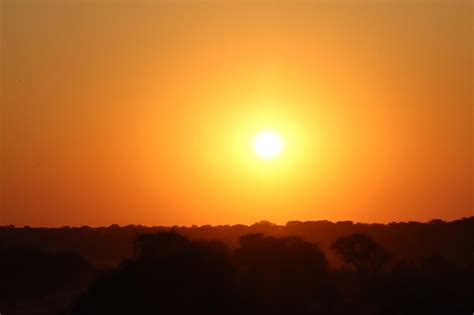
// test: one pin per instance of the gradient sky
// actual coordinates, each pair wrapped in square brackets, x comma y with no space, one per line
[141,112]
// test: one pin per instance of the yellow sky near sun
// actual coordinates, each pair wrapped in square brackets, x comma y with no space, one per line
[142,112]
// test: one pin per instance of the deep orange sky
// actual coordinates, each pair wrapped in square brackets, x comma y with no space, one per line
[141,112]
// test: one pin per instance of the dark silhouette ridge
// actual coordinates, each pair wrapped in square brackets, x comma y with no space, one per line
[171,274]
[300,268]
[108,246]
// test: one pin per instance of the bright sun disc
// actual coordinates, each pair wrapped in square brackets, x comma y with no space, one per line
[267,144]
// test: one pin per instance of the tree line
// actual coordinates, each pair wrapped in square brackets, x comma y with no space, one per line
[267,271]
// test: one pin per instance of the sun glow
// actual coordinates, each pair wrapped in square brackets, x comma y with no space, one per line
[268,144]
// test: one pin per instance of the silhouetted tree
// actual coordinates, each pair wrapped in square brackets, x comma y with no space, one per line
[286,275]
[361,252]
[169,274]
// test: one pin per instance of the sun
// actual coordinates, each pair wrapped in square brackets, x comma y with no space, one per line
[268,144]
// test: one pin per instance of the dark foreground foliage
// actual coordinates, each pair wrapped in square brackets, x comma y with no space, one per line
[38,282]
[171,274]
[328,268]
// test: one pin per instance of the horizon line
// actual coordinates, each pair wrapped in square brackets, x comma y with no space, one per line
[261,223]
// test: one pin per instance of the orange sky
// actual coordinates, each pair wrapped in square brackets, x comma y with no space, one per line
[141,112]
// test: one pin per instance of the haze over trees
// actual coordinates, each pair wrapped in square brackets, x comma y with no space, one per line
[301,268]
